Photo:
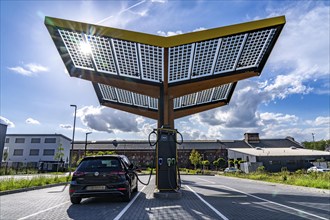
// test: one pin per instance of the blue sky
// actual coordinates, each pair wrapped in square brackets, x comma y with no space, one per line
[290,98]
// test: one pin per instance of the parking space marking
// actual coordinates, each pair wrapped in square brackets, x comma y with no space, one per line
[128,205]
[206,180]
[208,204]
[275,203]
[45,210]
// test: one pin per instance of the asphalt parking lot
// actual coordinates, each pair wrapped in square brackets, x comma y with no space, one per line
[203,197]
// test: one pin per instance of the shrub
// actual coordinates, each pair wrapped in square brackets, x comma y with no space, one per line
[261,169]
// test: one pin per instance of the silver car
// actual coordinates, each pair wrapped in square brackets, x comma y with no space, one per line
[232,170]
[317,169]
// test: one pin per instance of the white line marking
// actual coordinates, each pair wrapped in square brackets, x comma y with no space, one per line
[206,180]
[206,203]
[128,205]
[266,200]
[45,210]
[163,207]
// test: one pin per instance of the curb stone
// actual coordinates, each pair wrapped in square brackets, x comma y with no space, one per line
[7,192]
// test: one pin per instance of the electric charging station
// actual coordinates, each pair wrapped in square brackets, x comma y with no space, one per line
[166,168]
[166,78]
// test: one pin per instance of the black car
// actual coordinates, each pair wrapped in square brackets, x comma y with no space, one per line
[103,176]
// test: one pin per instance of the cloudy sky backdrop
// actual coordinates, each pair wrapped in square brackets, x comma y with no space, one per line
[290,98]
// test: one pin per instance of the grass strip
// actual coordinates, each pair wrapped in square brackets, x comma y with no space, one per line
[314,180]
[12,183]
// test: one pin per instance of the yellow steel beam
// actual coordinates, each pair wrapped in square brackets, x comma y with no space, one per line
[161,41]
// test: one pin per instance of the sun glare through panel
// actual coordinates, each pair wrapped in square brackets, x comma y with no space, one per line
[77,48]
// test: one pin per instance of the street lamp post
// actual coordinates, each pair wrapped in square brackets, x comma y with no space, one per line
[86,142]
[72,143]
[313,141]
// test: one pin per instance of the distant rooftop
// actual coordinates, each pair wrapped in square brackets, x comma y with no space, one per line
[280,152]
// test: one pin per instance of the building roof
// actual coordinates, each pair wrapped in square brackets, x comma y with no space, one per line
[264,152]
[38,135]
[276,143]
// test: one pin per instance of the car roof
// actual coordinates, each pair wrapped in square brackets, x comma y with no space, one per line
[103,156]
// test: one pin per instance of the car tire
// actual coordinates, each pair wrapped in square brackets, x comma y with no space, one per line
[75,200]
[128,194]
[136,187]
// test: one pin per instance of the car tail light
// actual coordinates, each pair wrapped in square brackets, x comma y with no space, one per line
[78,174]
[71,191]
[121,189]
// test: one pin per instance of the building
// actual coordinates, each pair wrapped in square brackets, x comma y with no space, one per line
[3,132]
[35,148]
[274,159]
[32,149]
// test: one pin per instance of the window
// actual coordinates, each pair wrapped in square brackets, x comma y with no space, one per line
[18,152]
[49,152]
[20,140]
[7,140]
[34,152]
[50,140]
[35,140]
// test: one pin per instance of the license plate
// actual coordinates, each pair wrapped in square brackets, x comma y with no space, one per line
[95,187]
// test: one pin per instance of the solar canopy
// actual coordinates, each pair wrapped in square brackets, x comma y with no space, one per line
[142,73]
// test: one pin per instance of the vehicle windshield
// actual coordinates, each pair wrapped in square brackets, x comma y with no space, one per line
[101,165]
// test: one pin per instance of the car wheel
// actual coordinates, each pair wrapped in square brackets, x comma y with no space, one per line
[136,187]
[75,200]
[128,194]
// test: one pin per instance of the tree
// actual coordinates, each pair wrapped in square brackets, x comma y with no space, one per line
[216,164]
[222,162]
[5,155]
[59,155]
[195,157]
[317,145]
[205,163]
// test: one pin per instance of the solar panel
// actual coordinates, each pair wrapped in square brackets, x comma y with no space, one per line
[126,57]
[186,62]
[151,61]
[197,69]
[122,96]
[73,42]
[102,54]
[254,47]
[180,61]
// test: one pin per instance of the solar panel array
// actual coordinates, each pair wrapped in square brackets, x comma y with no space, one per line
[185,62]
[117,95]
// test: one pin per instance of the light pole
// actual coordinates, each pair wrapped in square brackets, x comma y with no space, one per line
[86,142]
[313,141]
[74,127]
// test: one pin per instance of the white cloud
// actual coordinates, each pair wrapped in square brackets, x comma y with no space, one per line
[35,68]
[65,126]
[20,70]
[32,121]
[7,122]
[107,120]
[169,33]
[159,1]
[302,50]
[29,69]
[320,121]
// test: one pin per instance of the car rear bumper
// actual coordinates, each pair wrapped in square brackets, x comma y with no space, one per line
[87,194]
[78,190]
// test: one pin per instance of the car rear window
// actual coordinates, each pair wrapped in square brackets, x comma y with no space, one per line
[97,164]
